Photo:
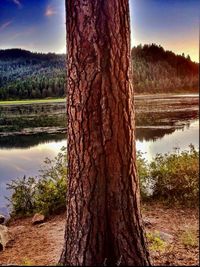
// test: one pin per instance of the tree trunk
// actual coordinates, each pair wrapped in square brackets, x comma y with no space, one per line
[103,225]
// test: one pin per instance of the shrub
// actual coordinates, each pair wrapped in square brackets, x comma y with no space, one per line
[176,177]
[22,198]
[50,193]
[44,194]
[143,173]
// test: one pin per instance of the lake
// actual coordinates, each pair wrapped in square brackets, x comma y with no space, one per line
[30,133]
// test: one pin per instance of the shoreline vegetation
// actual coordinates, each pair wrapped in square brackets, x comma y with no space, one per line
[31,101]
[63,99]
[171,178]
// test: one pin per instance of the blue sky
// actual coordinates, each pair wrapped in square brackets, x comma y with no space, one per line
[36,25]
[39,25]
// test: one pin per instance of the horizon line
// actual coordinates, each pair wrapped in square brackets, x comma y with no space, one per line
[64,53]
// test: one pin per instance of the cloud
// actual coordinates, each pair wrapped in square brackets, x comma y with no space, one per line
[5,25]
[21,34]
[50,11]
[18,3]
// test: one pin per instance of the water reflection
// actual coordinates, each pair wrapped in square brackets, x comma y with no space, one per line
[179,138]
[152,134]
[19,161]
[23,161]
[29,141]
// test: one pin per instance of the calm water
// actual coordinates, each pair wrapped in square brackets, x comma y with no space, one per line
[180,138]
[24,155]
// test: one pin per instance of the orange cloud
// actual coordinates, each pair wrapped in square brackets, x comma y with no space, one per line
[50,11]
[5,25]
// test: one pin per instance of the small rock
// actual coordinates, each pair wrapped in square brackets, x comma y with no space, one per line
[41,225]
[38,218]
[148,221]
[2,219]
[165,237]
[5,237]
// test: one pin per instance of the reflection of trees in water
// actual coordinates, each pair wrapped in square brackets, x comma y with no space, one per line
[187,125]
[152,134]
[24,141]
[54,115]
[175,120]
[19,123]
[27,141]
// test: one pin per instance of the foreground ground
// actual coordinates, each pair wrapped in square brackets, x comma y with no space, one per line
[42,244]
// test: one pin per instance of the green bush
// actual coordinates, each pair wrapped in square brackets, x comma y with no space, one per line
[44,194]
[22,199]
[143,173]
[176,177]
[50,193]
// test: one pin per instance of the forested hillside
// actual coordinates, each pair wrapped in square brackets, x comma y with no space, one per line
[158,71]
[26,75]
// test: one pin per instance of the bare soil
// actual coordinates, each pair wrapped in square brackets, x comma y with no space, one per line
[42,244]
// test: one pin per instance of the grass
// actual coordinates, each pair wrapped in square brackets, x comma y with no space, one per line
[155,242]
[189,238]
[54,100]
[27,262]
[32,101]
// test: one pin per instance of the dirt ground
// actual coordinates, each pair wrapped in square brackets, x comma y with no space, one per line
[42,244]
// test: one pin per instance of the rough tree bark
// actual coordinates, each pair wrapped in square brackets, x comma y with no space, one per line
[103,225]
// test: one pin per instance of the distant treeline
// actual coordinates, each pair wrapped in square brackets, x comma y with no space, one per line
[158,71]
[26,75]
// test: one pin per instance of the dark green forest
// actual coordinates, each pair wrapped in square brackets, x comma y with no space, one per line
[26,75]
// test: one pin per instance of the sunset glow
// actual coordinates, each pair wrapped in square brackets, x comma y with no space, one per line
[173,24]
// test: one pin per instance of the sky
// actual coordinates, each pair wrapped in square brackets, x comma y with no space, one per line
[39,25]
